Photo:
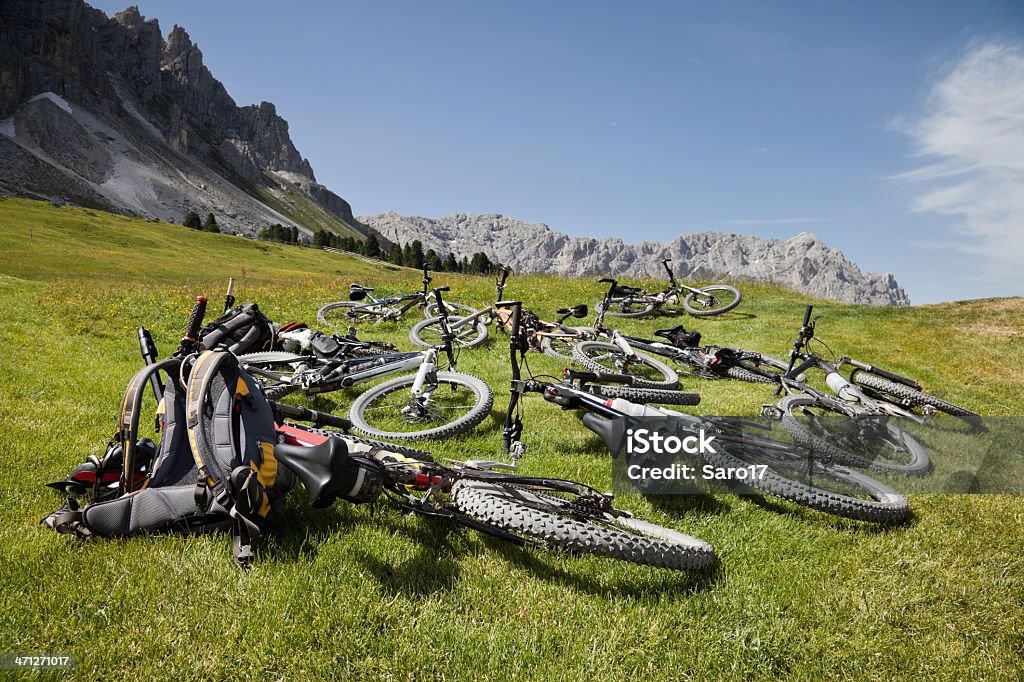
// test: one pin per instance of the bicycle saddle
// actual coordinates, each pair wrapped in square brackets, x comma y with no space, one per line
[578,311]
[357,292]
[623,290]
[679,336]
[325,469]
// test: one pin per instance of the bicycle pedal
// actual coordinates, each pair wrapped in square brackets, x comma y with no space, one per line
[516,451]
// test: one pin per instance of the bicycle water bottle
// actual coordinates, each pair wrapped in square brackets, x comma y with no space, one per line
[633,409]
[843,388]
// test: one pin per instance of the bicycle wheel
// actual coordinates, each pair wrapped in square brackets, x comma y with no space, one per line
[568,523]
[342,314]
[644,396]
[427,333]
[752,367]
[713,299]
[457,404]
[277,371]
[626,307]
[647,372]
[560,347]
[871,442]
[792,472]
[454,309]
[905,395]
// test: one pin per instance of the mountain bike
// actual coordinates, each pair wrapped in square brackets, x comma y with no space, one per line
[487,496]
[856,423]
[710,361]
[426,404]
[709,299]
[552,338]
[790,470]
[583,345]
[377,310]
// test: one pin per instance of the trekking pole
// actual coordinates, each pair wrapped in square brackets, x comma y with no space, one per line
[229,299]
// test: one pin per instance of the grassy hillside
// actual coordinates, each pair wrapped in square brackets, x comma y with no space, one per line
[305,211]
[375,593]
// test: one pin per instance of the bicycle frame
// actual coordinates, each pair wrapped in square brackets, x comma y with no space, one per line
[420,298]
[848,398]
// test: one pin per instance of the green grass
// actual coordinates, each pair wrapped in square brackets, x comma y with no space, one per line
[355,592]
[305,211]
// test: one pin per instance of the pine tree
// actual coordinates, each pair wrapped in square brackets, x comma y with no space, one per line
[192,220]
[433,261]
[418,257]
[210,224]
[450,262]
[480,264]
[372,247]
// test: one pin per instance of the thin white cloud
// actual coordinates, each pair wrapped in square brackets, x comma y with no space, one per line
[759,150]
[971,138]
[770,221]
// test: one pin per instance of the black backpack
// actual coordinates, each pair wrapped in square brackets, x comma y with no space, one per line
[213,469]
[243,329]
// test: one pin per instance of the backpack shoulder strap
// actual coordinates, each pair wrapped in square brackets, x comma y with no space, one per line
[128,419]
[216,402]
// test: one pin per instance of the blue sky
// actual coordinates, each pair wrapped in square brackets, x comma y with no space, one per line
[895,131]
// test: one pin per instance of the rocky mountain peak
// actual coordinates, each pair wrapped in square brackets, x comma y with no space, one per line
[802,262]
[148,129]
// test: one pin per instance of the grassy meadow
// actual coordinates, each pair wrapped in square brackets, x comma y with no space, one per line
[355,592]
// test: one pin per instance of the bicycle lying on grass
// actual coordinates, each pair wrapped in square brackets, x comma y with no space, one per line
[355,311]
[487,496]
[792,471]
[709,299]
[552,338]
[710,361]
[856,423]
[426,404]
[583,345]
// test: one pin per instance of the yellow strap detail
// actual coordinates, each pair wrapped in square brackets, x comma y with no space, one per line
[241,388]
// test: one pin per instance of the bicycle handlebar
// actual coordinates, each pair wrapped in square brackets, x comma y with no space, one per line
[303,414]
[807,315]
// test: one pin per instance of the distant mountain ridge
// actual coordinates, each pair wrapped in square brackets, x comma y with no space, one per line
[105,112]
[803,263]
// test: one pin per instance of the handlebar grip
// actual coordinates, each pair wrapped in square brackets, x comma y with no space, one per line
[598,377]
[195,320]
[304,414]
[607,280]
[517,308]
[504,275]
[807,315]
